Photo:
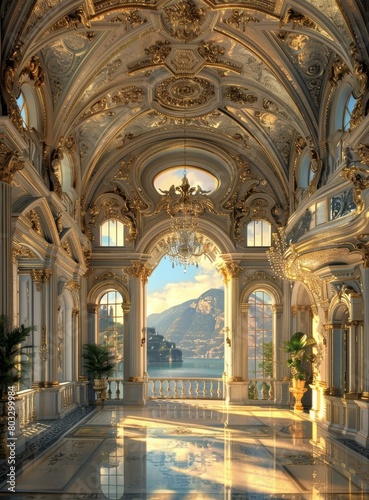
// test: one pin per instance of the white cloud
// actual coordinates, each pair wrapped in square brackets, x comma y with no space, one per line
[177,293]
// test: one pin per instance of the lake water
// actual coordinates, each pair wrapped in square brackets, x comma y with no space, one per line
[189,367]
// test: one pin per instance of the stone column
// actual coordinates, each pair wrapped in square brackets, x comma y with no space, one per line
[9,165]
[365,333]
[234,351]
[76,348]
[41,277]
[134,368]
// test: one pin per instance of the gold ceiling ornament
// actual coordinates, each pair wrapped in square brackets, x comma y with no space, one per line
[183,20]
[191,201]
[241,19]
[239,95]
[183,93]
[129,18]
[298,20]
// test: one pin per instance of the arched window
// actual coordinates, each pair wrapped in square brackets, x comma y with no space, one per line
[112,234]
[349,107]
[110,326]
[260,344]
[259,233]
[23,109]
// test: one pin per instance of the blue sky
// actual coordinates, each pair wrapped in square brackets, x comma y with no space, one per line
[168,287]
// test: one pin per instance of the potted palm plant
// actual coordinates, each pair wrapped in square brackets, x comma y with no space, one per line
[99,362]
[13,362]
[297,350]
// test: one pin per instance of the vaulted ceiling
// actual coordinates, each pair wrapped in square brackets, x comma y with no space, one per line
[127,82]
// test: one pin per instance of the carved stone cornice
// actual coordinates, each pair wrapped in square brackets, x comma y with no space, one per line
[21,251]
[10,163]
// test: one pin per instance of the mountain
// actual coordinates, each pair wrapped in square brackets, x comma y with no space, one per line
[195,325]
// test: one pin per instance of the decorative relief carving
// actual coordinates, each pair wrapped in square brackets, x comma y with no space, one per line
[22,252]
[239,96]
[129,18]
[298,20]
[212,53]
[34,71]
[124,170]
[360,181]
[34,218]
[310,57]
[338,70]
[10,163]
[363,152]
[129,94]
[56,169]
[186,199]
[184,92]
[259,276]
[110,275]
[241,19]
[158,52]
[183,20]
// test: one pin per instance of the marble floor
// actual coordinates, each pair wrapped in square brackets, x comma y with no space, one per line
[192,450]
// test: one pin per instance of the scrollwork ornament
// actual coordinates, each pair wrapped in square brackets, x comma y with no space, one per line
[359,177]
[363,152]
[10,164]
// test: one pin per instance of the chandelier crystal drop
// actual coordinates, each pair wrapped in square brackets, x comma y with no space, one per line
[185,246]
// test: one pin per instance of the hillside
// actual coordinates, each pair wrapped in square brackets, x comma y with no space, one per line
[195,325]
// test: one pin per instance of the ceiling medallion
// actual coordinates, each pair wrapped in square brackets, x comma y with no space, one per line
[184,92]
[183,20]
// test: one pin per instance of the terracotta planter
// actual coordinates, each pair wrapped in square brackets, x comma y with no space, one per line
[298,389]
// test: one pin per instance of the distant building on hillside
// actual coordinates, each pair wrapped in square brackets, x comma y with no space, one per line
[159,349]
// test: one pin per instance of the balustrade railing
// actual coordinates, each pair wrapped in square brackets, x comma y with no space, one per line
[114,389]
[185,388]
[27,411]
[68,396]
[261,389]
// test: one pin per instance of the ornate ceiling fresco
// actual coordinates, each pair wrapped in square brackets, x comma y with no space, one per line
[133,84]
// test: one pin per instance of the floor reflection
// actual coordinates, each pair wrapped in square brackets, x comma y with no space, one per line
[193,450]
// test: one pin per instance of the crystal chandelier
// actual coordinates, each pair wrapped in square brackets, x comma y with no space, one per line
[185,246]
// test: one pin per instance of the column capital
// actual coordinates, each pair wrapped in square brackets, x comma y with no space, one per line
[138,270]
[40,276]
[231,270]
